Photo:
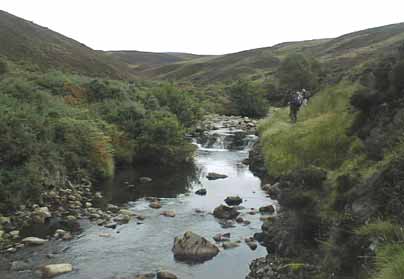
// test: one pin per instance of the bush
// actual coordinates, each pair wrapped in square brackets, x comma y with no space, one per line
[247,100]
[297,71]
[3,67]
[163,140]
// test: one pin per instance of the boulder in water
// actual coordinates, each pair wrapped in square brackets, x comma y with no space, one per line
[225,212]
[201,192]
[52,270]
[234,200]
[230,245]
[267,209]
[34,241]
[168,213]
[214,176]
[155,205]
[193,247]
[166,275]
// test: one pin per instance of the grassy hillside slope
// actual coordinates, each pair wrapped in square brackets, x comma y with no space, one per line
[260,64]
[29,44]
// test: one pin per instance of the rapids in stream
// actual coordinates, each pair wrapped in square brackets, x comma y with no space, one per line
[144,247]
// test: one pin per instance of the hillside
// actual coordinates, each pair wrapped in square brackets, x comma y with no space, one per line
[27,43]
[141,60]
[259,64]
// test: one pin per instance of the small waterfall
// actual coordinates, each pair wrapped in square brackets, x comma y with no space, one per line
[225,140]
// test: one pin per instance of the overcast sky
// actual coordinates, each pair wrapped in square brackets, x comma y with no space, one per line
[203,26]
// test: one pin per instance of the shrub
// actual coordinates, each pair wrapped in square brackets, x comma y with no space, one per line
[247,100]
[3,67]
[297,71]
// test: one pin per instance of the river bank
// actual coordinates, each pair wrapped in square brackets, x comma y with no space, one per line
[130,227]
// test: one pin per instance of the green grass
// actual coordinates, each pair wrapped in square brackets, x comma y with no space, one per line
[317,139]
[390,261]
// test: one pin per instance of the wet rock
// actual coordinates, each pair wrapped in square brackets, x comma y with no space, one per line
[140,217]
[20,266]
[201,192]
[145,276]
[225,224]
[214,176]
[233,200]
[14,234]
[230,245]
[122,219]
[155,205]
[111,225]
[145,179]
[126,212]
[113,208]
[251,243]
[40,215]
[104,235]
[52,270]
[166,275]
[239,220]
[272,190]
[267,209]
[168,213]
[193,247]
[34,241]
[225,212]
[221,237]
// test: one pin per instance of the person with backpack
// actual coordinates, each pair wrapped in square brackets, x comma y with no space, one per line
[295,103]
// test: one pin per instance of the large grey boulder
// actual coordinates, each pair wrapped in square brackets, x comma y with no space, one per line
[192,247]
[225,212]
[214,176]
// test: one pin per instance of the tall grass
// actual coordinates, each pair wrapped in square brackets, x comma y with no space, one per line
[319,137]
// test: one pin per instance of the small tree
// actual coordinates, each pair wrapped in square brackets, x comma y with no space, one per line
[247,100]
[297,71]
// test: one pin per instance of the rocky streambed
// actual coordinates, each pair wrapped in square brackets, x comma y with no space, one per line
[191,222]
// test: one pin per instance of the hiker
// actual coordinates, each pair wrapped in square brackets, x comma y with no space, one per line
[306,96]
[295,103]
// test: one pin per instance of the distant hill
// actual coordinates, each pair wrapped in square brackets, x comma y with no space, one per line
[26,42]
[340,54]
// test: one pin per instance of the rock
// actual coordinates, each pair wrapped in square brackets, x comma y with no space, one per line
[20,266]
[145,179]
[126,212]
[168,213]
[165,275]
[201,192]
[272,190]
[67,236]
[155,205]
[14,234]
[267,209]
[221,237]
[214,176]
[235,200]
[34,241]
[225,224]
[145,276]
[193,247]
[251,243]
[98,195]
[113,208]
[225,212]
[230,245]
[52,270]
[140,217]
[11,250]
[88,204]
[111,225]
[122,219]
[239,220]
[2,233]
[40,215]
[104,235]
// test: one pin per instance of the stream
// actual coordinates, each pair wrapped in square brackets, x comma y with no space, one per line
[144,247]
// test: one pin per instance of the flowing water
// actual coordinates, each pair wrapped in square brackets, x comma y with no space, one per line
[141,248]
